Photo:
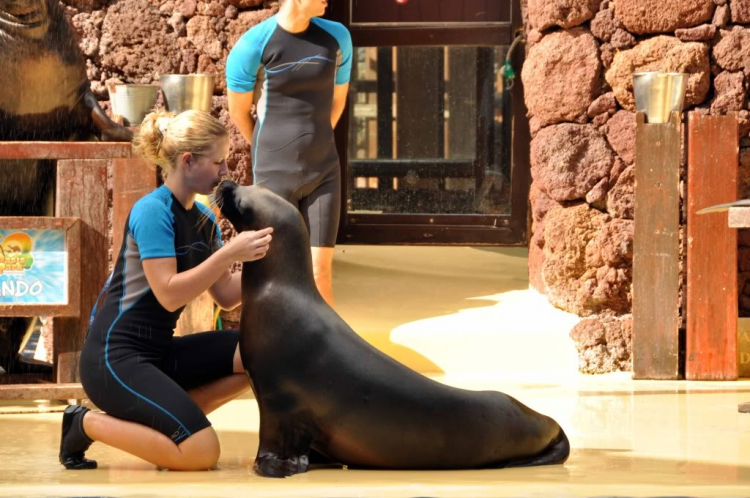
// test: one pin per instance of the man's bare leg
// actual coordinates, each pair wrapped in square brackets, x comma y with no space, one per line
[322,258]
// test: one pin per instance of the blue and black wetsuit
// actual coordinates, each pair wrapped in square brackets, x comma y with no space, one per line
[293,77]
[131,365]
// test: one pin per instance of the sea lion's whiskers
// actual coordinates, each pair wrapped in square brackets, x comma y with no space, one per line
[202,221]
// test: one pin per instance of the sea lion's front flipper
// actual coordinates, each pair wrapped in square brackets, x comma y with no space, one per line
[283,449]
[110,131]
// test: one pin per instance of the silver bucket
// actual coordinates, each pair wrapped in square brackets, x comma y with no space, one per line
[133,102]
[183,92]
[659,94]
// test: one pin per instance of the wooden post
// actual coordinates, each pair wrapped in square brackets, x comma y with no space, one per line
[132,178]
[711,336]
[82,192]
[656,249]
[739,217]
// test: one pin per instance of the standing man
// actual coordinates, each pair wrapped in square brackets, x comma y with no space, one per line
[295,69]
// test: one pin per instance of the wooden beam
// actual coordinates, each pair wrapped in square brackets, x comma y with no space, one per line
[64,150]
[656,250]
[82,192]
[41,391]
[711,335]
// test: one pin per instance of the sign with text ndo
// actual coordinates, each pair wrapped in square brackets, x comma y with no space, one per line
[33,267]
[40,266]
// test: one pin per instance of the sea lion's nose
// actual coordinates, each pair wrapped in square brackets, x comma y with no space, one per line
[226,186]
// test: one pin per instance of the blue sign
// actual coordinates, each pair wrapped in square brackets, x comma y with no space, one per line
[33,267]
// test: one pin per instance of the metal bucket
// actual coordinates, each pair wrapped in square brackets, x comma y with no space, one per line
[183,92]
[659,94]
[133,102]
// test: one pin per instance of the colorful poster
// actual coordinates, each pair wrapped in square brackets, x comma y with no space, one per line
[33,267]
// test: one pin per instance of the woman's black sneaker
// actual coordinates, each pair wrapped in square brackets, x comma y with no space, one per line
[74,442]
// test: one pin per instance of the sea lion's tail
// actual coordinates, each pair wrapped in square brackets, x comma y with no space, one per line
[556,452]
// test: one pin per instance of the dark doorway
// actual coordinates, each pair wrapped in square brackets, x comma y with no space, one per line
[434,142]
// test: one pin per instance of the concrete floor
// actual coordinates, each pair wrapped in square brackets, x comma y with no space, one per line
[464,317]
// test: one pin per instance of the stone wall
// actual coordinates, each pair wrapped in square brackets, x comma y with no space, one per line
[578,82]
[137,41]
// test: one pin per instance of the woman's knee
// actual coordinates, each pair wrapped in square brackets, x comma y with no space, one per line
[200,451]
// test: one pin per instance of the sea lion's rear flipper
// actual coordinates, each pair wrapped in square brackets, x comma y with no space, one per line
[556,452]
[110,131]
[284,447]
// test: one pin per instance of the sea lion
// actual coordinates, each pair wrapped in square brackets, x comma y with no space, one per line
[45,96]
[322,390]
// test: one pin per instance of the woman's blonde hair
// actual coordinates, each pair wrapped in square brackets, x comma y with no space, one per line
[163,136]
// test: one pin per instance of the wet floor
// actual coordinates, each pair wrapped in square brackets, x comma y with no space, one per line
[628,438]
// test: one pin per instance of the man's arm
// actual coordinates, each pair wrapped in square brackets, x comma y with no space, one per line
[339,102]
[240,106]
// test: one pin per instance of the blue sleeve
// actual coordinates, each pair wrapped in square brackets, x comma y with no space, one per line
[344,39]
[215,241]
[243,62]
[151,225]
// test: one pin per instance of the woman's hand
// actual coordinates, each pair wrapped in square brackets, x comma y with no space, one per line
[249,246]
[174,290]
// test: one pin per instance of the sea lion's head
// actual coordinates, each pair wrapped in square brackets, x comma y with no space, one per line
[24,18]
[254,208]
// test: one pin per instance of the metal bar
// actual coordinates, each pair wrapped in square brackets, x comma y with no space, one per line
[414,36]
[518,136]
[431,235]
[464,220]
[424,168]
